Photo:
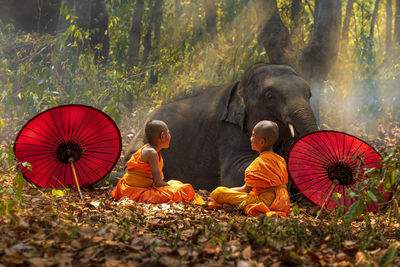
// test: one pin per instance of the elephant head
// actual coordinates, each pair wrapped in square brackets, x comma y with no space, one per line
[271,92]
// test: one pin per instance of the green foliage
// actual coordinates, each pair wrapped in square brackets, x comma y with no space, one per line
[380,182]
[355,210]
[59,192]
[389,256]
[11,197]
[41,71]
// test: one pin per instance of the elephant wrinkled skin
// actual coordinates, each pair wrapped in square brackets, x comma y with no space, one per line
[210,143]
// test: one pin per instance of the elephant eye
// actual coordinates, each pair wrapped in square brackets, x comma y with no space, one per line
[269,95]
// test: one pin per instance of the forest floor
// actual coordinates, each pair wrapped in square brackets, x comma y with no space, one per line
[57,228]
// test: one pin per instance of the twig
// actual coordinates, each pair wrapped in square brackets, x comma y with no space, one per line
[311,10]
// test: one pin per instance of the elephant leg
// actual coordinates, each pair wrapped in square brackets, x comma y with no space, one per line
[232,168]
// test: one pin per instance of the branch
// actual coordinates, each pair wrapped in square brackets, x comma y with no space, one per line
[273,34]
[311,10]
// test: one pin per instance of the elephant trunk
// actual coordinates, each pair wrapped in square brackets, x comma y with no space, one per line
[302,119]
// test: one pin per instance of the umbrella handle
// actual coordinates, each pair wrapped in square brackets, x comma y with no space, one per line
[334,184]
[71,161]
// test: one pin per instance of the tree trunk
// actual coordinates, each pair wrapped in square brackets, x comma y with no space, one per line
[177,8]
[272,33]
[296,10]
[346,21]
[135,34]
[317,58]
[147,37]
[157,19]
[373,19]
[98,26]
[147,45]
[210,9]
[31,16]
[320,54]
[388,33]
[396,36]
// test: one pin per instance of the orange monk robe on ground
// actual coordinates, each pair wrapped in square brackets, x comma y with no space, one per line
[137,185]
[267,175]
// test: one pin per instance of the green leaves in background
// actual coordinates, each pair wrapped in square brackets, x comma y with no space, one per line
[390,255]
[355,210]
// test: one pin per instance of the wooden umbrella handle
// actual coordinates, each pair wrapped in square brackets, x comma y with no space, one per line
[334,184]
[71,161]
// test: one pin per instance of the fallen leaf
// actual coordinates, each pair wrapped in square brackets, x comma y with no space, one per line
[162,250]
[202,239]
[247,253]
[182,251]
[76,244]
[289,248]
[13,258]
[349,244]
[242,263]
[340,256]
[97,239]
[113,263]
[344,264]
[350,247]
[361,260]
[21,246]
[211,248]
[169,261]
[314,257]
[39,262]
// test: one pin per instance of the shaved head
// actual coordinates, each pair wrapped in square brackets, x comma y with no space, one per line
[153,130]
[268,130]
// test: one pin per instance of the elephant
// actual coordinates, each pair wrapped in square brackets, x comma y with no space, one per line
[211,131]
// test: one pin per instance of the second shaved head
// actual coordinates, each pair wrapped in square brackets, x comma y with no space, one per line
[268,130]
[153,130]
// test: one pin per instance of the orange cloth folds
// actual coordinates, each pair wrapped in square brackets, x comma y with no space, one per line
[137,185]
[280,206]
[176,191]
[138,179]
[267,175]
[267,170]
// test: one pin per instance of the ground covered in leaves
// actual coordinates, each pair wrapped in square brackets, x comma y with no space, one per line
[48,227]
[58,228]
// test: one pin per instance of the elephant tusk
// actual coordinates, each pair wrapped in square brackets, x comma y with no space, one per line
[291,128]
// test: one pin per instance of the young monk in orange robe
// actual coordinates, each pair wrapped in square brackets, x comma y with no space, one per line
[143,181]
[264,191]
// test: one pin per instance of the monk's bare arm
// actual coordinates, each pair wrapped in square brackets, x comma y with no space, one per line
[151,157]
[244,188]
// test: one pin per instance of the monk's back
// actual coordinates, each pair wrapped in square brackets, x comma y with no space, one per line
[139,172]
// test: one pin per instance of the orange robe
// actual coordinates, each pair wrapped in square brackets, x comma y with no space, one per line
[137,184]
[267,175]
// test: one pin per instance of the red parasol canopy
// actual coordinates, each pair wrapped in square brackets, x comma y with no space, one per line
[81,135]
[317,159]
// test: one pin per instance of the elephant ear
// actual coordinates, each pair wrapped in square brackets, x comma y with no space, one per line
[234,107]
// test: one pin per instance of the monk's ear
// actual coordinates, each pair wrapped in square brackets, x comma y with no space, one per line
[162,135]
[234,107]
[263,141]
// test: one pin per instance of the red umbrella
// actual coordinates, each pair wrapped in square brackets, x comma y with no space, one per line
[326,162]
[68,139]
